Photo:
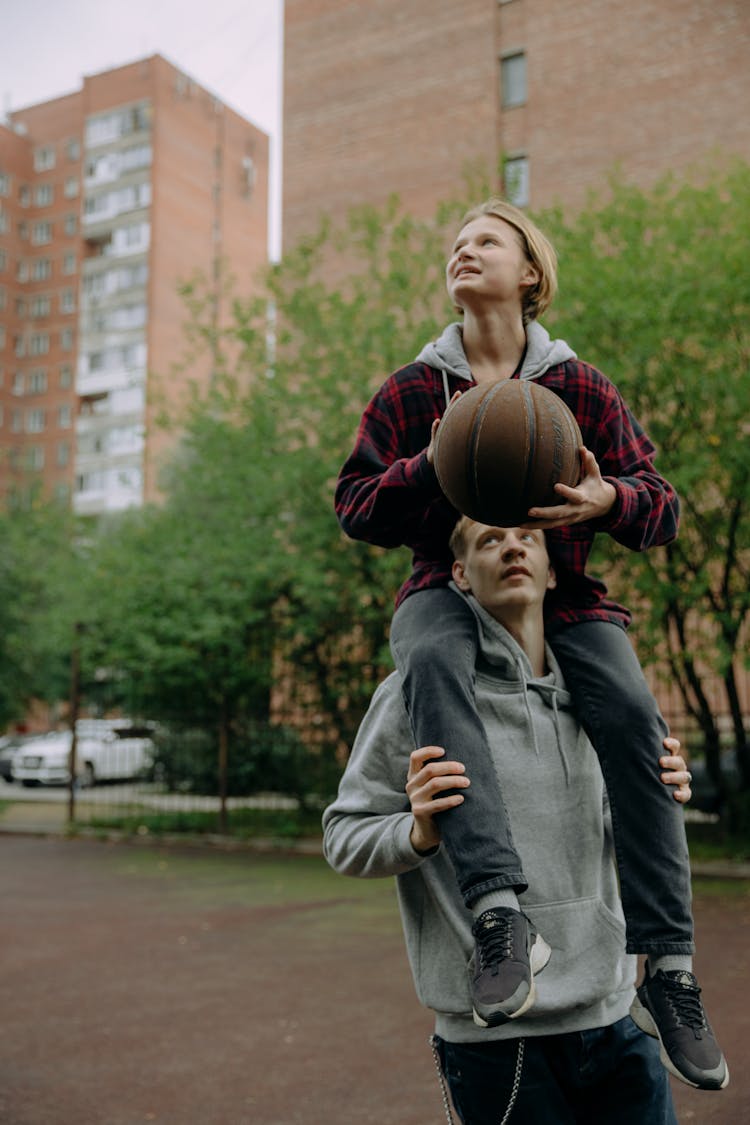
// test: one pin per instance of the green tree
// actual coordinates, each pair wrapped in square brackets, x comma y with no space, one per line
[655,290]
[311,352]
[39,568]
[182,598]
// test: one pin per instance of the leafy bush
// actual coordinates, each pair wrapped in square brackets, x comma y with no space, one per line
[263,758]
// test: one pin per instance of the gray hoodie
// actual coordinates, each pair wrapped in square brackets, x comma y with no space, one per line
[447,354]
[556,802]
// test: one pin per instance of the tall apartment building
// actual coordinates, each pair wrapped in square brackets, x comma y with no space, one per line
[109,198]
[382,96]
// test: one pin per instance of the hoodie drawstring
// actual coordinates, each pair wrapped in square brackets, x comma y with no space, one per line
[446,389]
[560,747]
[550,691]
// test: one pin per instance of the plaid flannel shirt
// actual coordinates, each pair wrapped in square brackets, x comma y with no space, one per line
[388,494]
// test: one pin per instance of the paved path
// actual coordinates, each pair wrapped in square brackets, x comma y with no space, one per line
[197,987]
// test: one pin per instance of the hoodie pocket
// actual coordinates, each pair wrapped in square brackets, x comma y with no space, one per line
[588,963]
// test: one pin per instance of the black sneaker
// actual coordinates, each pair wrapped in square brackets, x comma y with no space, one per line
[668,1006]
[507,953]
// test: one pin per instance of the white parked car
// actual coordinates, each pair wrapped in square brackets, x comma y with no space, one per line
[106,750]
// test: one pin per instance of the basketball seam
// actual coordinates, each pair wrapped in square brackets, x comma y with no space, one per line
[530,439]
[476,430]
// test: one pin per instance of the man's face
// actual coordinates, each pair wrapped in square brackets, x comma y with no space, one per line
[507,569]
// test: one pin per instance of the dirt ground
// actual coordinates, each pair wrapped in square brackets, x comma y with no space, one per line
[144,983]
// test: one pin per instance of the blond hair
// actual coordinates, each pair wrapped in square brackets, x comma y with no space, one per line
[457,541]
[536,246]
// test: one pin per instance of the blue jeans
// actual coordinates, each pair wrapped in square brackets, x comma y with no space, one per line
[435,643]
[605,1076]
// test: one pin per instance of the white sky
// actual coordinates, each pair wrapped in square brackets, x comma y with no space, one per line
[232,47]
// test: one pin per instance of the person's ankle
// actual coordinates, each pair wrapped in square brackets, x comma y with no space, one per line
[506,897]
[669,963]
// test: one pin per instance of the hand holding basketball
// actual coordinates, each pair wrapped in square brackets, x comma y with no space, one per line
[591,498]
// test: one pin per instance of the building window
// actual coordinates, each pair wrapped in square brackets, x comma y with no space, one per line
[4,222]
[66,339]
[107,128]
[3,298]
[71,187]
[67,301]
[4,184]
[41,269]
[44,158]
[137,156]
[3,261]
[19,347]
[73,149]
[516,177]
[66,376]
[35,421]
[17,384]
[41,233]
[16,422]
[38,382]
[40,306]
[35,458]
[513,80]
[24,195]
[64,417]
[63,454]
[44,195]
[69,264]
[39,344]
[71,224]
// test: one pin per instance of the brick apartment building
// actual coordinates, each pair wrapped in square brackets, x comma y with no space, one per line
[383,96]
[110,196]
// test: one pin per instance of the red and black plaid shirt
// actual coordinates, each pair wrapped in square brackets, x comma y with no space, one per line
[387,492]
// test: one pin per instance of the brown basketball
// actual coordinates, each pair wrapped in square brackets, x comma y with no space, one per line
[502,447]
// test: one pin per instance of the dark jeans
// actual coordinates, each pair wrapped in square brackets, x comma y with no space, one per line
[434,642]
[605,1076]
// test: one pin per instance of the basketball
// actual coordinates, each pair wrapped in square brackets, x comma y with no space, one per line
[501,448]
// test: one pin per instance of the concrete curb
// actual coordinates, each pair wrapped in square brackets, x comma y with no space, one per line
[701,869]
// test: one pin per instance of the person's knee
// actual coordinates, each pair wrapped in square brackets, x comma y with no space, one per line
[430,654]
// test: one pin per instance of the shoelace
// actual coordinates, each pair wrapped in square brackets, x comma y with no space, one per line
[685,1001]
[495,940]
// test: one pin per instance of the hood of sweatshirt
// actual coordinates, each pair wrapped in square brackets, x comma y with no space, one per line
[447,353]
[498,647]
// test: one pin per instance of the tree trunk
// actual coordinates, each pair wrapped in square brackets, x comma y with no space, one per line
[223,768]
[740,734]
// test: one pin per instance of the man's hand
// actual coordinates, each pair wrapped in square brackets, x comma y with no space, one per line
[426,783]
[675,771]
[592,497]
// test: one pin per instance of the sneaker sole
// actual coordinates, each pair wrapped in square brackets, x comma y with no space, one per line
[538,957]
[642,1017]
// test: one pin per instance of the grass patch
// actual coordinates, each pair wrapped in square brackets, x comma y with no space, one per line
[714,841]
[729,890]
[283,824]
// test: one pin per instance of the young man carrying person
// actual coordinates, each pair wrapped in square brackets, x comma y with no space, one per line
[573,1054]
